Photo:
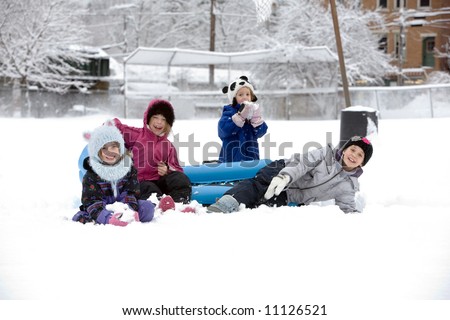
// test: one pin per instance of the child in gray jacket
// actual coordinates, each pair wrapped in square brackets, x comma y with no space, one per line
[319,175]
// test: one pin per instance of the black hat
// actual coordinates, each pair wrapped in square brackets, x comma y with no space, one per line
[162,107]
[363,143]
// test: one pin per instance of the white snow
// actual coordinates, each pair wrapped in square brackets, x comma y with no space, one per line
[359,109]
[362,266]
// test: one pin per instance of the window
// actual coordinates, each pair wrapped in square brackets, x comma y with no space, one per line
[382,3]
[424,3]
[398,3]
[382,43]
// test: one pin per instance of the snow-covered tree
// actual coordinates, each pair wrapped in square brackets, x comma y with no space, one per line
[39,44]
[150,23]
[186,24]
[444,53]
[309,23]
[237,26]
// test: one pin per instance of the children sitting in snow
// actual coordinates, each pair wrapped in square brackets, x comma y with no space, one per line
[155,156]
[241,123]
[320,175]
[110,184]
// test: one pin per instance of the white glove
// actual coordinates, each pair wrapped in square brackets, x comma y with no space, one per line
[277,185]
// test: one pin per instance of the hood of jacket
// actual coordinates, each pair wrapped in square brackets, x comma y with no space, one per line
[162,107]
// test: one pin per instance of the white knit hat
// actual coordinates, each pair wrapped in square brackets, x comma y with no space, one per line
[101,136]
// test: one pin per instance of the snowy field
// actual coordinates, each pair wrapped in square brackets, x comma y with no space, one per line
[386,263]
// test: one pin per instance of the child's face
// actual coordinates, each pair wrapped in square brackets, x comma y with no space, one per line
[110,153]
[352,157]
[157,124]
[244,94]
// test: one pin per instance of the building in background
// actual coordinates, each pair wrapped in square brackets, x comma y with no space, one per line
[416,30]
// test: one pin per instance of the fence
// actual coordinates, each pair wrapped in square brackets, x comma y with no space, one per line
[425,101]
[392,102]
[41,104]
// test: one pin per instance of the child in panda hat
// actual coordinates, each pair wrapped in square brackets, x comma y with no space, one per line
[320,175]
[110,185]
[241,123]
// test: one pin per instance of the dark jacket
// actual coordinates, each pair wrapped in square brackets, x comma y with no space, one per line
[98,192]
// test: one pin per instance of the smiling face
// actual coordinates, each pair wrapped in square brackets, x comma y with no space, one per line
[158,124]
[244,94]
[110,153]
[352,157]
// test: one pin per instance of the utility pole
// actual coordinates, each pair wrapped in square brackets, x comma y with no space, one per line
[125,42]
[212,41]
[401,43]
[340,53]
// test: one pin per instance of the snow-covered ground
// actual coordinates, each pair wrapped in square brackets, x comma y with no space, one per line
[365,266]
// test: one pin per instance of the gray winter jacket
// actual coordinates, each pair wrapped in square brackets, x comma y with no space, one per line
[318,176]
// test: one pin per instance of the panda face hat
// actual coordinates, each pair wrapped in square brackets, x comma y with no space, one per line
[232,89]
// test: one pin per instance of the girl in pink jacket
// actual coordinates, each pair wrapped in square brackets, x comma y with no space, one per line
[155,157]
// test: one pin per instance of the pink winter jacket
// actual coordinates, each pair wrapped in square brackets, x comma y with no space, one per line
[148,149]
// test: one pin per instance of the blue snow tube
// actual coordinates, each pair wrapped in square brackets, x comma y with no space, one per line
[84,154]
[209,181]
[224,172]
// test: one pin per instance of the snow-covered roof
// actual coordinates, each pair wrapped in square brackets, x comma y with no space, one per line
[184,57]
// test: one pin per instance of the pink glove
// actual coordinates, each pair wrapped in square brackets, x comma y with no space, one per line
[246,110]
[166,203]
[114,220]
[189,209]
[123,212]
[257,118]
[238,120]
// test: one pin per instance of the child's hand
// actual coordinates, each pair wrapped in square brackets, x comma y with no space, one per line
[257,118]
[277,185]
[129,215]
[122,212]
[115,221]
[238,120]
[162,168]
[246,110]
